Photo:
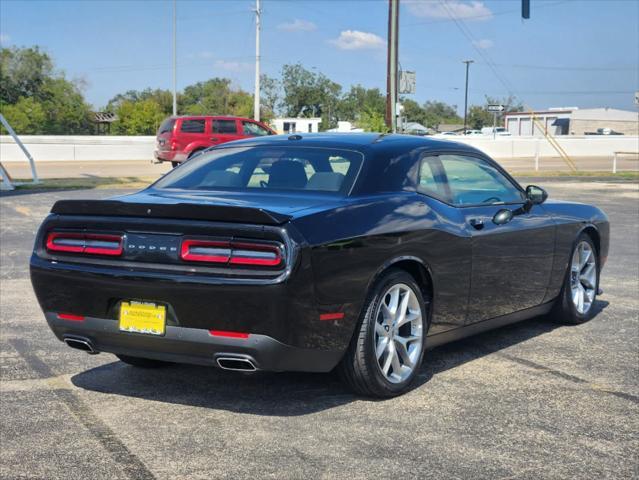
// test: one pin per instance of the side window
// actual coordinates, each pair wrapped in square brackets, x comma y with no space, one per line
[193,126]
[166,126]
[472,181]
[254,130]
[431,181]
[223,126]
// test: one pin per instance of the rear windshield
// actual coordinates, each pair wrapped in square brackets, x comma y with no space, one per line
[267,169]
[166,126]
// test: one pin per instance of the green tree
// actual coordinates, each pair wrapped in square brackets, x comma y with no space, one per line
[372,121]
[308,94]
[23,71]
[37,100]
[269,96]
[360,99]
[216,97]
[25,116]
[138,118]
[66,111]
[164,98]
[479,117]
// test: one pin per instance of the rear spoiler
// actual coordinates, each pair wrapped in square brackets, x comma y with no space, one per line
[185,211]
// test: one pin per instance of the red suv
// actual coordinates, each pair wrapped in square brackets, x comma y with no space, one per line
[179,138]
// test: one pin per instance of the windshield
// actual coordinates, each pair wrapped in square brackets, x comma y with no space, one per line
[267,169]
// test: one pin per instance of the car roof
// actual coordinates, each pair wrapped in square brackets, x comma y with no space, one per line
[363,142]
[221,117]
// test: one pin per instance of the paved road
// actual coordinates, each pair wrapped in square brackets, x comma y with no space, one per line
[138,168]
[529,401]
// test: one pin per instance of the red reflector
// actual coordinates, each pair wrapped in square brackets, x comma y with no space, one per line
[89,243]
[70,316]
[224,333]
[331,316]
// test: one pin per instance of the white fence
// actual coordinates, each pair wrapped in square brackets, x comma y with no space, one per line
[54,148]
[105,148]
[574,146]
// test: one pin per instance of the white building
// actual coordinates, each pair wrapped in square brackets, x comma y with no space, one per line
[572,121]
[296,125]
[345,127]
[554,121]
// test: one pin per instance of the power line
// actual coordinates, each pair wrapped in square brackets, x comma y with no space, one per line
[484,15]
[570,68]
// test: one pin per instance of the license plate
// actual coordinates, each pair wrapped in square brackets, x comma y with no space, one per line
[139,317]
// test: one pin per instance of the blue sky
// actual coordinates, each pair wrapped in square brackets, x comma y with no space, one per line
[570,53]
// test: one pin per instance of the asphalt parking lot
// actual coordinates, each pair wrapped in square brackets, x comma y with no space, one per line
[533,400]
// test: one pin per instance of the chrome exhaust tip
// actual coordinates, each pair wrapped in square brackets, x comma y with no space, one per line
[238,364]
[81,344]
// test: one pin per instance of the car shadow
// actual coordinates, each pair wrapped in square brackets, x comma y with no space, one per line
[285,394]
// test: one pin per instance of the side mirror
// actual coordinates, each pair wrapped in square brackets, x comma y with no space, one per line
[503,216]
[536,195]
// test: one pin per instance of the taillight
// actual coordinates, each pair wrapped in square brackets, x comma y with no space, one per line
[262,255]
[231,253]
[88,243]
[205,251]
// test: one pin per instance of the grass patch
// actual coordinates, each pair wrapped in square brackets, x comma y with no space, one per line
[86,183]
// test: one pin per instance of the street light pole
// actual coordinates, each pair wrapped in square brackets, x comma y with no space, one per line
[174,57]
[256,96]
[391,68]
[467,62]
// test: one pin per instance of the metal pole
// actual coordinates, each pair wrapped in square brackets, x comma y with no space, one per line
[391,70]
[467,62]
[13,134]
[614,163]
[256,106]
[494,125]
[174,57]
[537,156]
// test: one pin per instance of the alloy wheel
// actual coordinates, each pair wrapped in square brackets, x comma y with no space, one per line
[398,333]
[583,277]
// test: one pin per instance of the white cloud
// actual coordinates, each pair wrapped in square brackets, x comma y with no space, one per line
[356,40]
[4,38]
[473,10]
[297,25]
[233,66]
[484,43]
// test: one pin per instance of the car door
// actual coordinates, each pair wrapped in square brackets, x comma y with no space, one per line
[192,134]
[511,261]
[224,130]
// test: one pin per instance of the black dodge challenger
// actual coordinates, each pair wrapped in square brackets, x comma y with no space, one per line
[315,252]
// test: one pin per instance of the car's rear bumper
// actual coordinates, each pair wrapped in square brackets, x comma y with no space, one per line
[193,345]
[169,156]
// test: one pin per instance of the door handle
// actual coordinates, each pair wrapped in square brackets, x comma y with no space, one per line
[476,223]
[215,139]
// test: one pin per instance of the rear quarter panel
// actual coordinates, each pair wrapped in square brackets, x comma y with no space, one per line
[351,245]
[571,219]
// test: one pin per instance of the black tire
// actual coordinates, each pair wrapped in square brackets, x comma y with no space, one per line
[564,310]
[175,164]
[142,362]
[359,367]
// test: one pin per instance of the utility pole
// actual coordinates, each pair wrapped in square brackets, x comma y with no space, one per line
[256,106]
[391,68]
[174,57]
[467,62]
